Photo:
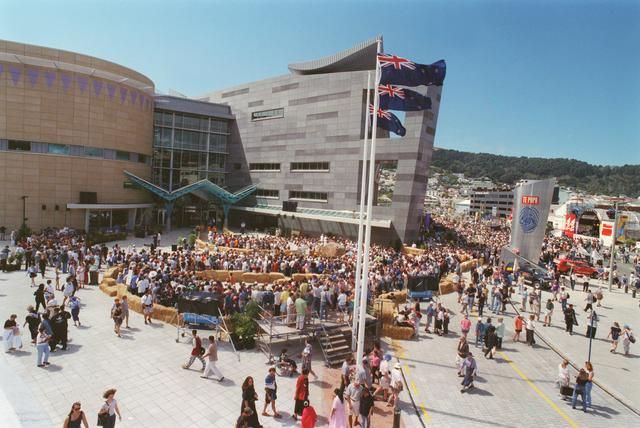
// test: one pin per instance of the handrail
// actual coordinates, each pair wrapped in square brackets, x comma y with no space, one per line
[324,332]
[226,330]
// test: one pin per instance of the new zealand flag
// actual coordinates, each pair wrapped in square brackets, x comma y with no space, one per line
[401,71]
[389,121]
[397,98]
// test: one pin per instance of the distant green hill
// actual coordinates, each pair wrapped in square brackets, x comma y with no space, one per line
[608,180]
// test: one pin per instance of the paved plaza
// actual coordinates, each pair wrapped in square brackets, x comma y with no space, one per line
[516,389]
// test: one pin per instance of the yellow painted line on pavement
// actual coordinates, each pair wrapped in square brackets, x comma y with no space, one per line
[407,369]
[553,405]
[427,417]
[414,388]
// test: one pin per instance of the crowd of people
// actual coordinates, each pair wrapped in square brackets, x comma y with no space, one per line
[160,277]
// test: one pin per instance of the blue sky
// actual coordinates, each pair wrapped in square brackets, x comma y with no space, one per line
[531,78]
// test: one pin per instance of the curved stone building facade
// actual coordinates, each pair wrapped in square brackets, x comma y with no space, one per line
[71,123]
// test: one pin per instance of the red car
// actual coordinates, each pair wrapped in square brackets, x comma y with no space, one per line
[579,267]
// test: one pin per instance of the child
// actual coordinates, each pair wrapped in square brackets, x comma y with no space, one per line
[518,327]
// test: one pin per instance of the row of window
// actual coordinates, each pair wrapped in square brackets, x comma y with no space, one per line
[179,120]
[189,140]
[275,113]
[72,150]
[294,166]
[293,195]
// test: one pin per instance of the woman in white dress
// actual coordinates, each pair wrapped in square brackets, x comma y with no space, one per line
[338,418]
[8,334]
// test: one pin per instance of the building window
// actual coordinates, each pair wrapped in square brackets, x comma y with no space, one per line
[275,167]
[20,146]
[276,113]
[308,196]
[309,166]
[58,149]
[93,152]
[123,156]
[268,193]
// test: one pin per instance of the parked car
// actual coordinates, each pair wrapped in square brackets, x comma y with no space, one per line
[533,276]
[579,267]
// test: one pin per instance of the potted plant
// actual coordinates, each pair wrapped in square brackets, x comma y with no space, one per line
[244,331]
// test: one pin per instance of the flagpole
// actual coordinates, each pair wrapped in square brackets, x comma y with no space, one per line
[363,179]
[367,239]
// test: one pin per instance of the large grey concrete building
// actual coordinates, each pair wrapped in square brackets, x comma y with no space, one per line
[299,137]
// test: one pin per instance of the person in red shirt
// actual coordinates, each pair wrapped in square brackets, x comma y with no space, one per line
[518,326]
[301,394]
[309,416]
[196,351]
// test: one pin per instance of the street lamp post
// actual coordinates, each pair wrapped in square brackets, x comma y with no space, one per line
[24,211]
[613,246]
[594,316]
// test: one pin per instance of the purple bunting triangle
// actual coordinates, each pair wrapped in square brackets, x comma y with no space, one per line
[82,83]
[66,81]
[50,78]
[111,90]
[134,97]
[33,74]
[97,87]
[123,94]
[1,69]
[15,74]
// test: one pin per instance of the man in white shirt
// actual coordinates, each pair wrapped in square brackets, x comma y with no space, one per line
[352,394]
[143,285]
[147,306]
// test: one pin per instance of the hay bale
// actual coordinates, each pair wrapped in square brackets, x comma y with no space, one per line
[112,272]
[398,332]
[447,285]
[108,287]
[412,251]
[276,276]
[165,314]
[396,296]
[332,249]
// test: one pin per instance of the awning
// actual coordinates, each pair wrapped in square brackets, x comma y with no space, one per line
[107,206]
[349,217]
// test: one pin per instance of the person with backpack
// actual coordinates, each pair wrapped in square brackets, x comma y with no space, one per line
[627,339]
[580,389]
[614,334]
[196,352]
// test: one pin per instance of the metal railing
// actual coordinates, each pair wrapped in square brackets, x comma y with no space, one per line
[224,328]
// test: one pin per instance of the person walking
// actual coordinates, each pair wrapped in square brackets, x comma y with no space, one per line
[353,394]
[211,356]
[60,325]
[469,368]
[10,328]
[500,327]
[564,380]
[548,313]
[270,393]
[39,297]
[530,328]
[614,334]
[570,319]
[301,312]
[116,315]
[579,389]
[309,416]
[588,386]
[463,350]
[490,342]
[147,305]
[76,417]
[33,321]
[589,300]
[42,347]
[518,323]
[366,408]
[429,312]
[301,393]
[397,385]
[337,417]
[627,339]
[249,397]
[196,352]
[109,409]
[74,305]
[125,310]
[465,325]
